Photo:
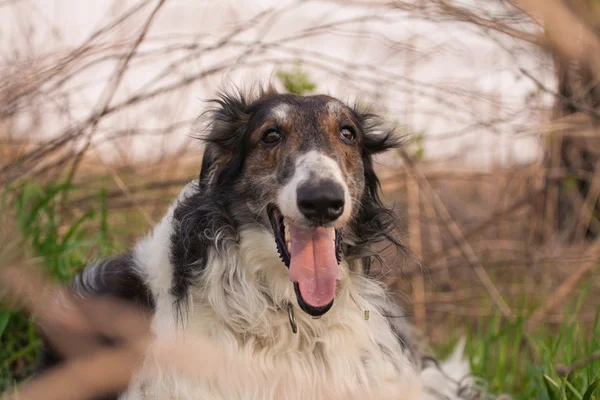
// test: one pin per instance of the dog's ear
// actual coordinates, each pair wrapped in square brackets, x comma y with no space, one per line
[223,153]
[208,166]
[374,221]
[379,136]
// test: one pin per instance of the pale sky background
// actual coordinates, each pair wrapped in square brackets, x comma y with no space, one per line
[451,55]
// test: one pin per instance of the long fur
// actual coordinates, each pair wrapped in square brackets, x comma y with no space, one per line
[210,268]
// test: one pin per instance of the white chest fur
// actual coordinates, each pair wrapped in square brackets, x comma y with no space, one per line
[328,358]
[337,365]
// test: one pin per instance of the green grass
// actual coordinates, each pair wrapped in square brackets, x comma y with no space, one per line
[508,363]
[495,347]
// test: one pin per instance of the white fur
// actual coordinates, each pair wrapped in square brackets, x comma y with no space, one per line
[281,111]
[342,355]
[454,373]
[316,166]
[151,256]
[335,107]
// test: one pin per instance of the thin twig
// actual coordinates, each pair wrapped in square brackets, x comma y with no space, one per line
[416,246]
[586,213]
[565,370]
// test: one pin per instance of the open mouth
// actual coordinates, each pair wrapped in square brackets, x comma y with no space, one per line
[312,256]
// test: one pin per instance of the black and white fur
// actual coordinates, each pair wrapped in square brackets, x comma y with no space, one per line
[211,268]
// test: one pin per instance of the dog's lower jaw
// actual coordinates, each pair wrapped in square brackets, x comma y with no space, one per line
[314,312]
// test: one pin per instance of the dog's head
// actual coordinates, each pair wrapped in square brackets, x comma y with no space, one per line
[302,167]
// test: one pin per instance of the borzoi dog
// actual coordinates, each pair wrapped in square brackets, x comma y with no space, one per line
[268,255]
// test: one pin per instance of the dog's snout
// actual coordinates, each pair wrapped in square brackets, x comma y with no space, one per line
[322,202]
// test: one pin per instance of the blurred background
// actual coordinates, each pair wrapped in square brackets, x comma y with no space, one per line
[497,185]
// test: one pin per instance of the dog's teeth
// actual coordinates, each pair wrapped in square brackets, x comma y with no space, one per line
[286,230]
[289,246]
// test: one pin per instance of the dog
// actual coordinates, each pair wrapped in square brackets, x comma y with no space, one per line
[268,255]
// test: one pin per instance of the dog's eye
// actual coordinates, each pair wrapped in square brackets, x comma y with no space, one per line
[271,137]
[347,135]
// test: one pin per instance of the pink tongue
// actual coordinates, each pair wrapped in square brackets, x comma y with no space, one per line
[314,265]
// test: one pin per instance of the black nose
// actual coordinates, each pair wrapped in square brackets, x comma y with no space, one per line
[321,202]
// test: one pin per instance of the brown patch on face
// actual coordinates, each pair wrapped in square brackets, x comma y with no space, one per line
[263,158]
[264,162]
[347,155]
